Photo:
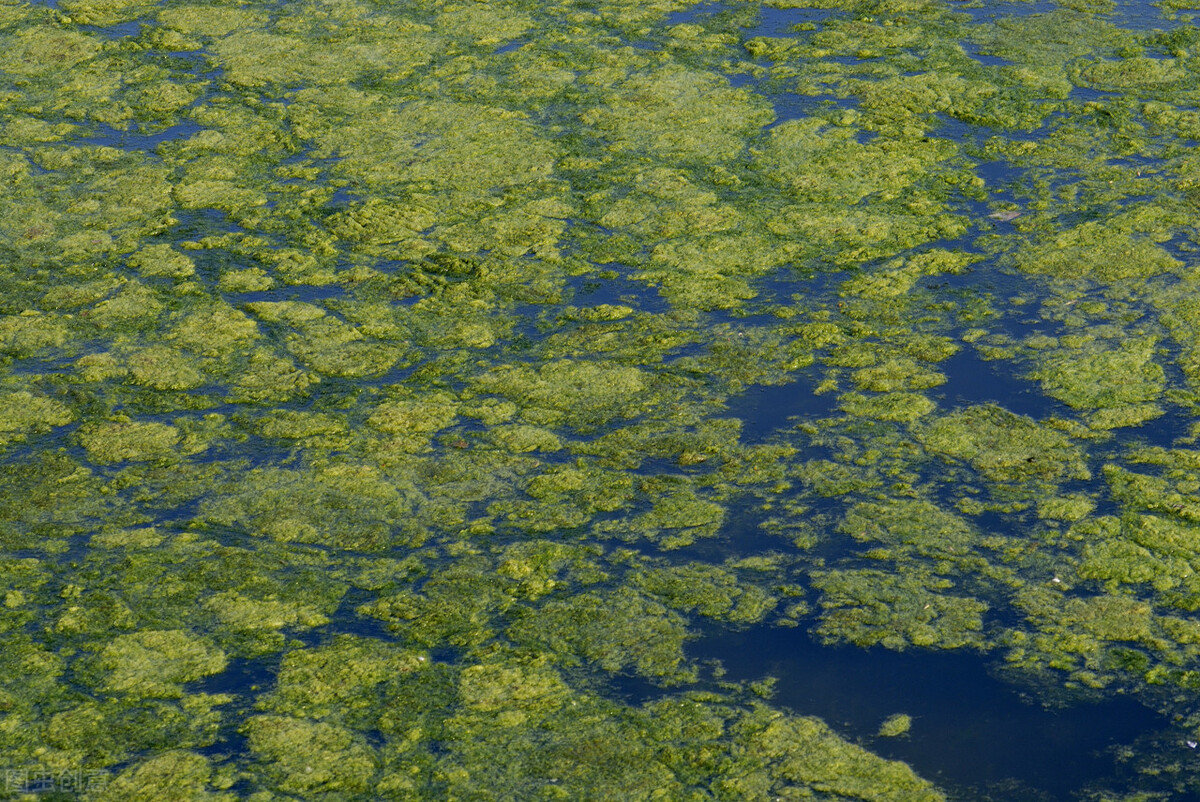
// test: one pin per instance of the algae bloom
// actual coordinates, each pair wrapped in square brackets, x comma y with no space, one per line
[396,400]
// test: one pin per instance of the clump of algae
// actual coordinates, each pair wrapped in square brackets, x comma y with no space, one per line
[162,260]
[164,368]
[895,726]
[710,590]
[1116,384]
[156,663]
[868,607]
[310,757]
[680,114]
[580,629]
[579,393]
[182,774]
[342,679]
[22,414]
[120,441]
[1004,446]
[895,406]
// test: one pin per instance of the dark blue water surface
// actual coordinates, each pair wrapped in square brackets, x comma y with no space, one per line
[970,731]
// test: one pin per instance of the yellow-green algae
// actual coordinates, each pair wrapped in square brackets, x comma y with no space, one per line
[431,324]
[155,663]
[895,725]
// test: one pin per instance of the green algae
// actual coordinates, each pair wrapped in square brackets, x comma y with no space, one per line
[170,775]
[22,414]
[801,153]
[896,374]
[309,757]
[342,506]
[868,607]
[162,260]
[906,407]
[269,377]
[711,591]
[1005,447]
[30,332]
[420,268]
[294,425]
[156,663]
[919,524]
[680,114]
[1134,72]
[895,726]
[614,631]
[521,439]
[1109,380]
[430,414]
[164,368]
[342,680]
[569,391]
[119,441]
[243,614]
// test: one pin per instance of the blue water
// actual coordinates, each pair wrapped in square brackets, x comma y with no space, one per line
[974,735]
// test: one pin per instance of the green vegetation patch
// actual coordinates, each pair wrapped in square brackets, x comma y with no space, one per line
[622,630]
[1101,252]
[310,757]
[156,663]
[121,441]
[895,726]
[1117,383]
[1004,446]
[681,114]
[870,607]
[169,775]
[579,393]
[22,414]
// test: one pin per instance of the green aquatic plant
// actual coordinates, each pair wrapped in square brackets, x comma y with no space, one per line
[680,114]
[895,726]
[906,407]
[610,631]
[868,607]
[1118,383]
[310,757]
[119,441]
[22,414]
[156,663]
[180,774]
[1004,446]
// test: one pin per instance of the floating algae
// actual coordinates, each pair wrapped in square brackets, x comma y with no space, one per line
[118,441]
[370,385]
[156,663]
[895,726]
[22,413]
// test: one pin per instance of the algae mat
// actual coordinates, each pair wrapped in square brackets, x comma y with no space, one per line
[393,395]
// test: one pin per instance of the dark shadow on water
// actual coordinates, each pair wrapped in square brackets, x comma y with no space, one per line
[969,730]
